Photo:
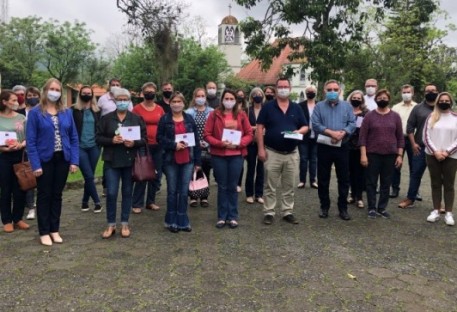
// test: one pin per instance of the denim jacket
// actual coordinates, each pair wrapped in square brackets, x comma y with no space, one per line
[192,111]
[166,138]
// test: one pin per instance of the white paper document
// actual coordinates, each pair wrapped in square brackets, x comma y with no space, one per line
[293,135]
[7,135]
[130,133]
[323,139]
[358,122]
[188,138]
[233,136]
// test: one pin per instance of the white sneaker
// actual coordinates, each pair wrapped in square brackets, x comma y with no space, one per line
[449,218]
[31,214]
[250,200]
[434,216]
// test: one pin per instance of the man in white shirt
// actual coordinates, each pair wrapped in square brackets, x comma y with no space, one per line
[371,87]
[106,102]
[404,109]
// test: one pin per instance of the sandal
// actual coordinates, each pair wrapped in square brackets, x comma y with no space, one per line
[233,224]
[220,224]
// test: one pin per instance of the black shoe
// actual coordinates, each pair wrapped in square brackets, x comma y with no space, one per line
[394,193]
[290,218]
[372,214]
[268,219]
[345,216]
[418,197]
[187,229]
[173,229]
[204,203]
[85,207]
[383,213]
[98,208]
[323,214]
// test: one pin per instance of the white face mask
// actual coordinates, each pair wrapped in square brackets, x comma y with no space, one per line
[283,93]
[53,96]
[370,91]
[406,97]
[229,104]
[200,101]
[211,91]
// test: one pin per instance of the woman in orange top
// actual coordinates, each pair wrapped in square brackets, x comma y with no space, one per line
[151,114]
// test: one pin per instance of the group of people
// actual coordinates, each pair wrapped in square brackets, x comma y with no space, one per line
[363,138]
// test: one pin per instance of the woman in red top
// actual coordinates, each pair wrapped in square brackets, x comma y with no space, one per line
[228,133]
[151,114]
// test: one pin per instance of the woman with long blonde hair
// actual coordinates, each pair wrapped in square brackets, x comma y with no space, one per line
[440,139]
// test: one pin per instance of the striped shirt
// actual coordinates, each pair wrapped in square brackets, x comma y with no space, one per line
[443,135]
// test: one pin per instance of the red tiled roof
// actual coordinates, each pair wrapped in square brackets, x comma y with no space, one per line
[253,70]
[98,90]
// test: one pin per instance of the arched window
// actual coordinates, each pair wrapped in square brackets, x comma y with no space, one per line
[303,76]
[302,96]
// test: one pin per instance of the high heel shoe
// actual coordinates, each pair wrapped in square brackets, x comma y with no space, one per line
[110,230]
[56,238]
[46,240]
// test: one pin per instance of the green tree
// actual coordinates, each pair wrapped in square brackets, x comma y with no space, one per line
[67,46]
[95,70]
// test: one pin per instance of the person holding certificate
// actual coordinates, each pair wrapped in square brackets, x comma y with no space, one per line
[12,143]
[177,133]
[120,133]
[53,151]
[228,133]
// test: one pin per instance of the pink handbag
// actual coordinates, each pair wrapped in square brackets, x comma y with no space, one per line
[199,187]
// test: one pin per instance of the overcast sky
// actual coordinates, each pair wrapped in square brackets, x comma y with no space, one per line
[106,21]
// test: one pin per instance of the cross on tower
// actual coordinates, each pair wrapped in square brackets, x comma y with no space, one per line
[230,8]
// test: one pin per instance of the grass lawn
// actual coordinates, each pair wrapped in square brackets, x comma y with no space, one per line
[79,177]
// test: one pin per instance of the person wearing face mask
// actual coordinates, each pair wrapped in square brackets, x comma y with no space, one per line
[242,106]
[151,114]
[381,143]
[106,102]
[11,153]
[32,98]
[53,151]
[404,109]
[86,115]
[278,120]
[440,139]
[179,162]
[308,147]
[270,93]
[20,90]
[211,95]
[254,175]
[199,111]
[414,128]
[356,170]
[167,91]
[334,122]
[118,156]
[371,87]
[227,155]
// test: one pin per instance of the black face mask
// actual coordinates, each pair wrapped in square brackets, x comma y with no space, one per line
[167,94]
[269,97]
[32,101]
[240,99]
[430,97]
[85,97]
[310,95]
[382,103]
[149,96]
[257,99]
[356,103]
[444,105]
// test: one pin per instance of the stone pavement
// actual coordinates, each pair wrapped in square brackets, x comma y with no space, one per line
[402,264]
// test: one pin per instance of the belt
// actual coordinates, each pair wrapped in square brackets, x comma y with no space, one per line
[280,152]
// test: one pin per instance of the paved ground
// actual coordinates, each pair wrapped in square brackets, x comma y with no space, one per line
[402,264]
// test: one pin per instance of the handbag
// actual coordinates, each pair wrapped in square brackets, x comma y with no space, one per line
[143,168]
[198,186]
[24,173]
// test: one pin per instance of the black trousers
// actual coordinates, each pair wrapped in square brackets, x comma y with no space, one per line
[381,166]
[9,186]
[356,174]
[328,156]
[50,186]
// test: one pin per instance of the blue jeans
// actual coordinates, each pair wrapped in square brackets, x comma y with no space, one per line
[88,159]
[396,177]
[255,168]
[153,186]
[308,159]
[227,170]
[417,171]
[113,176]
[178,179]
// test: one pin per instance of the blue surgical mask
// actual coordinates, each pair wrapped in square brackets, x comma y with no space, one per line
[331,96]
[122,105]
